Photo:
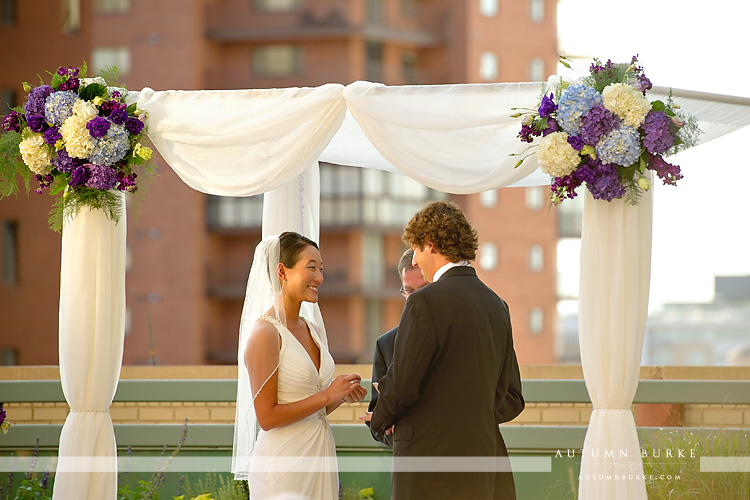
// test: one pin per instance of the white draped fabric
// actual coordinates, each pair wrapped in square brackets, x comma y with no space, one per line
[92,331]
[614,286]
[456,138]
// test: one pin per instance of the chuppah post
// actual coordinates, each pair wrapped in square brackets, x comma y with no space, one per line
[92,332]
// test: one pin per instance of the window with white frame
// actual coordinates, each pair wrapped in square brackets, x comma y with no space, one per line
[536,70]
[103,57]
[536,258]
[534,197]
[536,10]
[277,60]
[536,320]
[111,6]
[488,199]
[488,256]
[277,5]
[488,8]
[488,66]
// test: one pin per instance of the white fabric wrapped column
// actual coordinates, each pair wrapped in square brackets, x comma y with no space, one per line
[92,325]
[615,275]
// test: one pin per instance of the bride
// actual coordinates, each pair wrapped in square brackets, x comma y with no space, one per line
[286,378]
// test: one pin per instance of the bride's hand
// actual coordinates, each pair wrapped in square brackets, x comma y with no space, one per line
[342,386]
[357,394]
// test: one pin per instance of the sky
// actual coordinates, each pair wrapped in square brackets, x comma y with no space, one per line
[701,226]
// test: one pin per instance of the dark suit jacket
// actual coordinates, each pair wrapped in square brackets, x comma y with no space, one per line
[454,378]
[380,362]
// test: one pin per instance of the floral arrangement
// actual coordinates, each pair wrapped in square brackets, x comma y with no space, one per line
[604,132]
[4,422]
[78,137]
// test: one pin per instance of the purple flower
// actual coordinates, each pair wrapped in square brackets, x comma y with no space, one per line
[45,181]
[64,163]
[2,414]
[127,182]
[72,71]
[62,71]
[576,142]
[552,126]
[111,105]
[134,126]
[36,123]
[598,122]
[118,116]
[98,127]
[564,187]
[659,136]
[79,177]
[35,102]
[585,172]
[667,172]
[71,84]
[52,135]
[12,122]
[643,84]
[526,134]
[548,106]
[606,184]
[101,177]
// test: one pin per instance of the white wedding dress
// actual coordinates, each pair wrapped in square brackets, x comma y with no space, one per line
[299,458]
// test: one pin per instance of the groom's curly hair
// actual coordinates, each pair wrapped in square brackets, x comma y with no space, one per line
[443,224]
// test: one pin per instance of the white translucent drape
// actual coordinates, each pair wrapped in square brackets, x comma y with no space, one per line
[92,326]
[614,286]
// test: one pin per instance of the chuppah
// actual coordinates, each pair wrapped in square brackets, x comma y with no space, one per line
[454,138]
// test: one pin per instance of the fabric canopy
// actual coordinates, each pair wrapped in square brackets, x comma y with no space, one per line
[454,138]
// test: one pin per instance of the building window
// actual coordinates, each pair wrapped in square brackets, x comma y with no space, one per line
[104,57]
[488,8]
[10,252]
[488,66]
[374,13]
[225,212]
[8,357]
[534,197]
[7,100]
[408,8]
[488,199]
[71,11]
[111,6]
[488,256]
[277,5]
[536,320]
[374,61]
[536,10]
[8,12]
[373,260]
[277,60]
[536,258]
[536,70]
[409,67]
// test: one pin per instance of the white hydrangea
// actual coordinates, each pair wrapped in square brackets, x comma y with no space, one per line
[85,110]
[556,157]
[78,142]
[36,154]
[627,103]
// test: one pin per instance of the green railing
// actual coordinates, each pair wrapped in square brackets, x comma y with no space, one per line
[355,440]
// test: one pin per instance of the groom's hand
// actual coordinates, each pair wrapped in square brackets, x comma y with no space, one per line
[390,431]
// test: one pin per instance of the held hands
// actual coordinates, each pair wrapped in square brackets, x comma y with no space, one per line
[347,388]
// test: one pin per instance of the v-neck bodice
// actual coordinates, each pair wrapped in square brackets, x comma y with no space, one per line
[298,378]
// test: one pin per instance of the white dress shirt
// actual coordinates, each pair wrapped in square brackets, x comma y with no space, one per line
[447,266]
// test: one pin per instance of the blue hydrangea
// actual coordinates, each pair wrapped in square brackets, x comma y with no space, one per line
[575,102]
[59,106]
[622,146]
[112,147]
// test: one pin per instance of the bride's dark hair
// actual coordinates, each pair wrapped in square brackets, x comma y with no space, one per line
[290,246]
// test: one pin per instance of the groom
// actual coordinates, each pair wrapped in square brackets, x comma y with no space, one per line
[454,376]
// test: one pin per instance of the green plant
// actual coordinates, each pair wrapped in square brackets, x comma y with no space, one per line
[674,475]
[215,487]
[353,492]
